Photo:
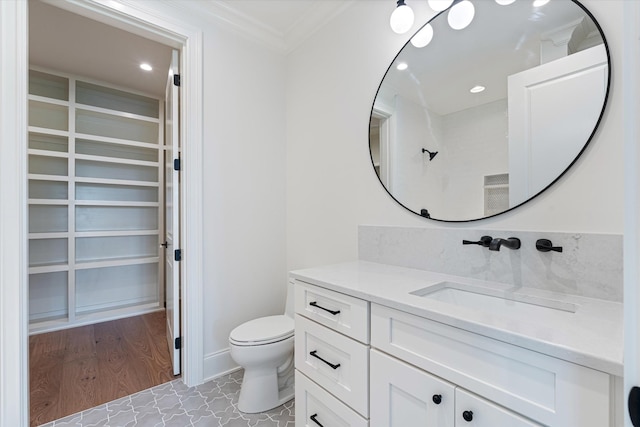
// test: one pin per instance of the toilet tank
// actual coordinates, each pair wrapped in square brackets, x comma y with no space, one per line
[289,308]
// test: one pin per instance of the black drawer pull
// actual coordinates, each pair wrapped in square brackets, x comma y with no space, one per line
[315,304]
[314,354]
[468,416]
[313,418]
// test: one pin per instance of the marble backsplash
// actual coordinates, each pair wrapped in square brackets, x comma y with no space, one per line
[590,264]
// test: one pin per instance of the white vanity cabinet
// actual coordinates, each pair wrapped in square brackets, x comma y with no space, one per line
[401,394]
[400,367]
[548,391]
[331,358]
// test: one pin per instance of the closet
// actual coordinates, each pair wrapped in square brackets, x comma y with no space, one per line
[95,201]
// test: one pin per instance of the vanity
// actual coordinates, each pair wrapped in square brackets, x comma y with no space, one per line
[381,345]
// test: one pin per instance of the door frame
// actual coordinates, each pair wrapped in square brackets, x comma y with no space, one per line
[139,18]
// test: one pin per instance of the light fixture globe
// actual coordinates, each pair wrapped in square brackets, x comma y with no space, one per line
[439,5]
[461,15]
[423,37]
[402,18]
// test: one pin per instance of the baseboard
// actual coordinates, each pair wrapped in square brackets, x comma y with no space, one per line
[218,364]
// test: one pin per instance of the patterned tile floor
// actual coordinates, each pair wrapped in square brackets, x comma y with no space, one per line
[173,404]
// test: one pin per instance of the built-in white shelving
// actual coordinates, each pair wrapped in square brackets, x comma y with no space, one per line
[95,201]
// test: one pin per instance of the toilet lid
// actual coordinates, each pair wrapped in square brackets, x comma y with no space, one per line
[264,329]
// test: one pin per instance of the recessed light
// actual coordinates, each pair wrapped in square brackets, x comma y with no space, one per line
[402,66]
[146,66]
[477,89]
[538,3]
[505,2]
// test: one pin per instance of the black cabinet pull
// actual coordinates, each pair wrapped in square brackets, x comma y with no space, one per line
[314,354]
[437,399]
[467,415]
[315,304]
[313,418]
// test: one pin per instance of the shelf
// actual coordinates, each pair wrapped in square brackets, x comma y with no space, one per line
[117,150]
[115,218]
[91,191]
[48,219]
[101,124]
[48,165]
[115,262]
[50,116]
[116,233]
[117,141]
[48,252]
[48,296]
[45,235]
[118,161]
[45,189]
[141,248]
[117,113]
[47,144]
[47,131]
[116,203]
[46,100]
[94,202]
[53,268]
[48,153]
[49,202]
[113,171]
[128,182]
[112,286]
[48,85]
[115,99]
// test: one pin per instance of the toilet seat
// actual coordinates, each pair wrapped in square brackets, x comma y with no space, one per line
[265,330]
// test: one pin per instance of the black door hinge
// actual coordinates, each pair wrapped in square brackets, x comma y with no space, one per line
[176,79]
[176,164]
[177,255]
[178,343]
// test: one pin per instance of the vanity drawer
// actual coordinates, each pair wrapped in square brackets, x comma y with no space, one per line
[343,313]
[313,401]
[550,391]
[337,363]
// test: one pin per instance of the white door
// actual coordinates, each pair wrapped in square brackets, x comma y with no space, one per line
[542,100]
[172,216]
[402,394]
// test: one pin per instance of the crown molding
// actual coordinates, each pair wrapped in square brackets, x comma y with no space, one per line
[308,24]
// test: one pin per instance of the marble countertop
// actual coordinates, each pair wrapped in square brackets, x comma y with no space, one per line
[592,336]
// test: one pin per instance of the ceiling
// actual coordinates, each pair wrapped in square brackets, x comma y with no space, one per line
[108,54]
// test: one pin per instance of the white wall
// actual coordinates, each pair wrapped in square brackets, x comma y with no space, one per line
[244,180]
[332,80]
[244,174]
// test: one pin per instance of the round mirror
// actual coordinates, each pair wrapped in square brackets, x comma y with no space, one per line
[482,119]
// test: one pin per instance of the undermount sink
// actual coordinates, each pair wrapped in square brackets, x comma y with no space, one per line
[494,300]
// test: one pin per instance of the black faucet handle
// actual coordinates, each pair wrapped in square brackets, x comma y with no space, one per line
[545,245]
[484,241]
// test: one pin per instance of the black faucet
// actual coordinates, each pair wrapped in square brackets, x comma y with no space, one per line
[511,243]
[484,241]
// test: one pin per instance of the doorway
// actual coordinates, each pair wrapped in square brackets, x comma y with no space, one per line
[97,308]
[160,24]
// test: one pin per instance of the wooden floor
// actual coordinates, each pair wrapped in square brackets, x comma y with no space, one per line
[79,368]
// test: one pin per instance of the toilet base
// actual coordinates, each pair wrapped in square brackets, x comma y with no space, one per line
[259,391]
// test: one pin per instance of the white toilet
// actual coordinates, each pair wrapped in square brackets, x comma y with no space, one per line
[264,348]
